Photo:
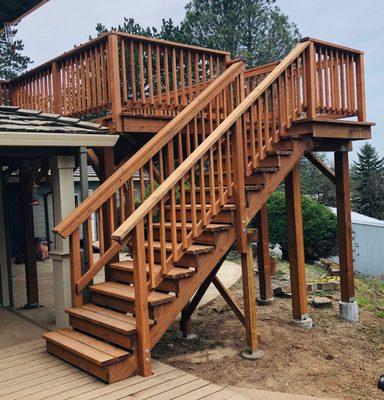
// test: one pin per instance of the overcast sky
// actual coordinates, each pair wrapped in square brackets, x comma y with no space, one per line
[60,24]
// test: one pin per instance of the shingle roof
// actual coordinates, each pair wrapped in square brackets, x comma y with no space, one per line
[15,119]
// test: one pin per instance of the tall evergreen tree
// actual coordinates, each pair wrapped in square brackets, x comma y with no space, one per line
[255,30]
[368,182]
[12,61]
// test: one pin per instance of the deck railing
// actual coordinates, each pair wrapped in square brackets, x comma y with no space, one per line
[119,71]
[4,93]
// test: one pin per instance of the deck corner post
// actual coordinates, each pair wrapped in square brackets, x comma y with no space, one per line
[360,85]
[263,259]
[348,306]
[296,249]
[114,81]
[310,84]
[143,345]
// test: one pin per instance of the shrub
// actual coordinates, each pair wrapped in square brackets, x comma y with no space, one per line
[319,226]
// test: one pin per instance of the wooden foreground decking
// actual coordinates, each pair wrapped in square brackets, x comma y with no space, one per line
[27,371]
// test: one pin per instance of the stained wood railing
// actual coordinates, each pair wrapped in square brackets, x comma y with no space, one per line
[4,93]
[155,161]
[119,71]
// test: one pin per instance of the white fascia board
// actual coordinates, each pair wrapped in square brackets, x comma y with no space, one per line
[23,139]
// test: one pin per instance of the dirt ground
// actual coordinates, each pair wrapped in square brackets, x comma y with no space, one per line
[335,359]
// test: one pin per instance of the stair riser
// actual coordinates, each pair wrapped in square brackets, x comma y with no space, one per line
[188,260]
[258,178]
[198,196]
[207,238]
[124,306]
[110,373]
[166,285]
[125,341]
[225,216]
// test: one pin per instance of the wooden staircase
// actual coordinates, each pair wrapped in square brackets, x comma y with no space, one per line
[201,180]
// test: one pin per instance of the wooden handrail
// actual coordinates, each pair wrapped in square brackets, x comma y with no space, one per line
[127,170]
[331,45]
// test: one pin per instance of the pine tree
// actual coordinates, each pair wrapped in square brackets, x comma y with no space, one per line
[12,61]
[368,183]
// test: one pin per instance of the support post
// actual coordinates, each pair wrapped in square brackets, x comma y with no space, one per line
[63,203]
[29,237]
[296,249]
[143,351]
[348,307]
[263,259]
[244,246]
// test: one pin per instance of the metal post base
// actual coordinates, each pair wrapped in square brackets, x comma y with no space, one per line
[265,302]
[305,322]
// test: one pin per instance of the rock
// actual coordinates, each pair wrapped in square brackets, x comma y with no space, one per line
[321,302]
[282,291]
[330,285]
[200,357]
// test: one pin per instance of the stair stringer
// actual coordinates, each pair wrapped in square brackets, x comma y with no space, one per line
[225,241]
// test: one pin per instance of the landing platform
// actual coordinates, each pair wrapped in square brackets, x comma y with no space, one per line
[29,372]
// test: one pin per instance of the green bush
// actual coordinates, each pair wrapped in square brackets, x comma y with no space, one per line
[319,226]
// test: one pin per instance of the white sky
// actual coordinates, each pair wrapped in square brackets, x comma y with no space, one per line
[60,24]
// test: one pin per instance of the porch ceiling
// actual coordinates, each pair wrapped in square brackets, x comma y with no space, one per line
[12,11]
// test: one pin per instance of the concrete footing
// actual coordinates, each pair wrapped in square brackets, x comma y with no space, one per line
[305,322]
[189,336]
[349,311]
[252,355]
[265,302]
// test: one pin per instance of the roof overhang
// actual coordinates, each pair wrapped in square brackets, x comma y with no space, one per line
[12,11]
[23,139]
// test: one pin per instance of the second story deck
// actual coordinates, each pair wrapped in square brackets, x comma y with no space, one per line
[136,84]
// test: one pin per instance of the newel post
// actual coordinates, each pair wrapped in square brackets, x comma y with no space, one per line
[56,86]
[360,85]
[114,81]
[310,83]
[143,345]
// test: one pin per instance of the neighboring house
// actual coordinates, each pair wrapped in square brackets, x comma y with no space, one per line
[368,239]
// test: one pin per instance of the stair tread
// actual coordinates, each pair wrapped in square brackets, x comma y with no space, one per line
[173,273]
[210,227]
[87,347]
[192,249]
[107,318]
[127,292]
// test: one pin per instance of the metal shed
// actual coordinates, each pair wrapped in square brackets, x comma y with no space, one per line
[368,244]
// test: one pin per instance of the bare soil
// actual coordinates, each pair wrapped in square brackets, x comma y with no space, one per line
[335,359]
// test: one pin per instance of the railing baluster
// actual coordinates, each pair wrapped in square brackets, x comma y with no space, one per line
[75,259]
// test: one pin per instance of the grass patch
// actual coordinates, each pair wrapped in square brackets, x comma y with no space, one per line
[370,294]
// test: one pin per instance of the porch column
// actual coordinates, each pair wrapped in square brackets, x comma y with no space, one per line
[5,300]
[63,203]
[263,259]
[296,249]
[348,308]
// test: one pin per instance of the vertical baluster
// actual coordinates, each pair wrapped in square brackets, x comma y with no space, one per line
[286,98]
[89,242]
[342,83]
[204,70]
[190,82]
[348,84]
[141,73]
[299,68]
[321,80]
[93,78]
[151,254]
[100,226]
[182,78]
[353,83]
[337,82]
[252,137]
[197,75]
[220,176]
[166,73]
[259,129]
[132,62]
[326,76]
[292,89]
[104,57]
[158,76]
[332,104]
[163,251]
[174,78]
[150,74]
[212,188]
[124,71]
[202,193]
[193,201]
[266,121]
[228,162]
[274,116]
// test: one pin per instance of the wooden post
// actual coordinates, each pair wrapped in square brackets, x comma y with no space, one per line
[143,351]
[243,245]
[361,111]
[263,259]
[56,85]
[344,225]
[310,84]
[114,81]
[296,248]
[29,237]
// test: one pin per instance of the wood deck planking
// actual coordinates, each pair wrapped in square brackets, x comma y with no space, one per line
[39,375]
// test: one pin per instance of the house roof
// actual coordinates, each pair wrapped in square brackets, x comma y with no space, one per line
[11,11]
[361,219]
[21,127]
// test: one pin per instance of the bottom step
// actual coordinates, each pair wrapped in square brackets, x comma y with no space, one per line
[103,360]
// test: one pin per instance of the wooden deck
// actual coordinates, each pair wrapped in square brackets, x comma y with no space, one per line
[29,372]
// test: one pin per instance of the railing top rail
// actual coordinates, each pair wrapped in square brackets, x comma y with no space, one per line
[261,69]
[127,170]
[103,37]
[122,232]
[171,44]
[332,45]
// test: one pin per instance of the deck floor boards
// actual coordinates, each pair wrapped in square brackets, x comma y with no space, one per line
[28,372]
